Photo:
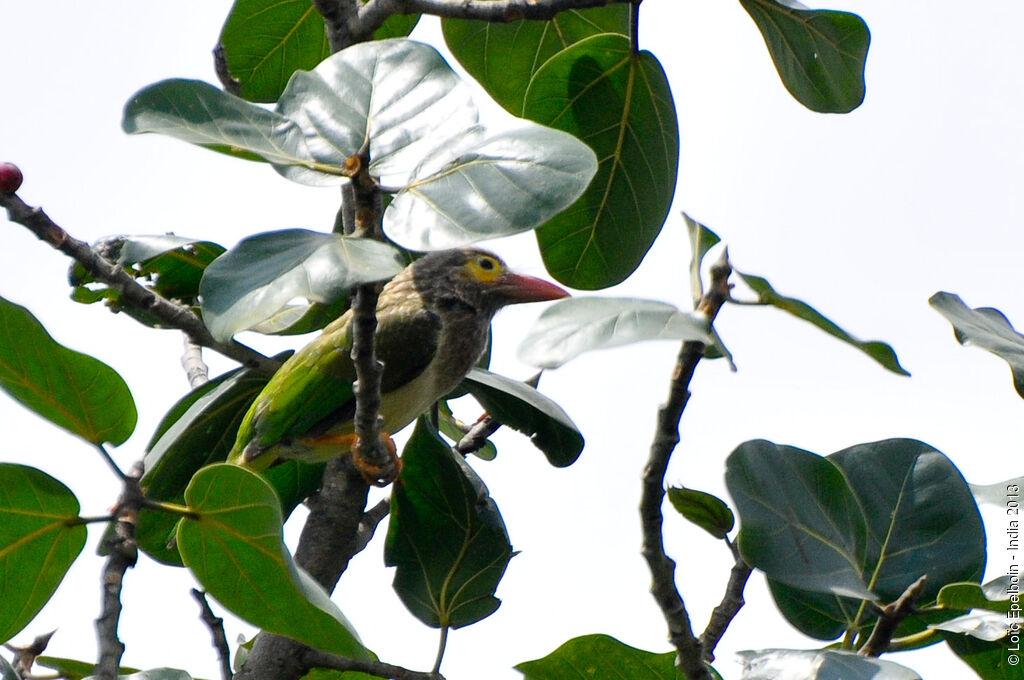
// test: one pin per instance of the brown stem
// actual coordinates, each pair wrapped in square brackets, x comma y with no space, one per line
[318,659]
[215,624]
[122,553]
[890,618]
[690,654]
[730,605]
[132,292]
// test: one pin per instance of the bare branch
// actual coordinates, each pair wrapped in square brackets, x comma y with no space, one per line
[25,657]
[122,553]
[890,618]
[216,626]
[339,16]
[663,587]
[729,607]
[476,436]
[132,292]
[368,525]
[318,659]
[196,370]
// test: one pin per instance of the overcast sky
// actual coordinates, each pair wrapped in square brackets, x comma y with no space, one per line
[864,216]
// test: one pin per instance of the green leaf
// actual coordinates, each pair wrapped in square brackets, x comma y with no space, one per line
[990,660]
[201,114]
[879,351]
[446,537]
[819,54]
[521,407]
[265,41]
[7,672]
[40,537]
[236,551]
[75,391]
[987,328]
[601,656]
[177,272]
[621,105]
[575,325]
[705,510]
[994,596]
[503,57]
[819,664]
[72,669]
[702,240]
[302,319]
[259,277]
[879,514]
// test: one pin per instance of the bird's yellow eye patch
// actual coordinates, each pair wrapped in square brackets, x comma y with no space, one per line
[485,268]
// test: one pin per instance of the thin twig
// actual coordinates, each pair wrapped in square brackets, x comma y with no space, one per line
[122,553]
[476,435]
[690,656]
[215,624]
[132,292]
[196,370]
[368,525]
[111,463]
[25,657]
[730,605]
[890,618]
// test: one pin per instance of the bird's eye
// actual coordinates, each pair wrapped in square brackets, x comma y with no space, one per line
[486,263]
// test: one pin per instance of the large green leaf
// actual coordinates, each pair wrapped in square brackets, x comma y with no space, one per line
[266,41]
[235,549]
[259,277]
[75,391]
[819,664]
[879,351]
[601,656]
[40,537]
[879,515]
[987,328]
[990,660]
[504,57]
[202,114]
[446,538]
[620,104]
[819,54]
[575,325]
[523,408]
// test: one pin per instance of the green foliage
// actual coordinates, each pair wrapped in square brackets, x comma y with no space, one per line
[619,103]
[523,408]
[820,54]
[861,524]
[75,391]
[601,656]
[990,660]
[40,537]
[879,351]
[446,538]
[825,664]
[255,280]
[705,510]
[232,543]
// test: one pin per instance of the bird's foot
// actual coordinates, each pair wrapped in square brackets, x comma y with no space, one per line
[378,475]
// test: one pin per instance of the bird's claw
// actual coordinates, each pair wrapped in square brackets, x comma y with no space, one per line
[378,475]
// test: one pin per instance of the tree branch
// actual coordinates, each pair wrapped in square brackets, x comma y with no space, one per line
[375,12]
[339,16]
[317,659]
[122,553]
[729,607]
[132,292]
[689,649]
[215,624]
[890,618]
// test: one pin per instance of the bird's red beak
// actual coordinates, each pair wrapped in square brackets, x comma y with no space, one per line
[518,288]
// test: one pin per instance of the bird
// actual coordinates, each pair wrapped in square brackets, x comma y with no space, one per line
[433,323]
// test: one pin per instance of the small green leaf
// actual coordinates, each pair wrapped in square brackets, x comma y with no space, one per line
[879,351]
[820,54]
[575,325]
[40,537]
[819,664]
[619,103]
[994,596]
[446,537]
[601,656]
[987,328]
[259,277]
[523,408]
[503,57]
[705,510]
[702,240]
[75,391]
[235,549]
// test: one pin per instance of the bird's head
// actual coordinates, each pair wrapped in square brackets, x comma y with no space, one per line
[478,279]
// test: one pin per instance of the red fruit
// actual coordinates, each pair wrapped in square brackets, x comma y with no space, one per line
[10,178]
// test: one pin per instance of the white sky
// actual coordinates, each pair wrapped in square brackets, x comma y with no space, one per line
[863,216]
